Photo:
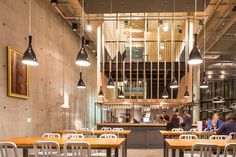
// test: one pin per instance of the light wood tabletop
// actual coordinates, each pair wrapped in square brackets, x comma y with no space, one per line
[95,143]
[132,124]
[178,133]
[187,143]
[97,132]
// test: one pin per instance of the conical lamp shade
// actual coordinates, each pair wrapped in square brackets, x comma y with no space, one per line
[100,94]
[82,57]
[165,93]
[186,94]
[204,83]
[110,83]
[121,94]
[81,83]
[195,56]
[174,83]
[29,56]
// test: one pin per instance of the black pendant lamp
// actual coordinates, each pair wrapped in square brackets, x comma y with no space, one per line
[204,83]
[174,83]
[100,94]
[82,57]
[121,93]
[29,56]
[195,56]
[110,83]
[186,94]
[165,93]
[81,83]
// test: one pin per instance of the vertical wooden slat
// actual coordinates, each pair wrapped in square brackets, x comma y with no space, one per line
[130,53]
[151,79]
[137,80]
[172,51]
[123,75]
[116,52]
[158,55]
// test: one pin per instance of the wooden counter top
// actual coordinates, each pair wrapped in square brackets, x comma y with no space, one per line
[132,124]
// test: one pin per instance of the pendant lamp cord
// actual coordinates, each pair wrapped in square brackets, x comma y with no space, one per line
[195,17]
[83,23]
[29,17]
[165,60]
[204,35]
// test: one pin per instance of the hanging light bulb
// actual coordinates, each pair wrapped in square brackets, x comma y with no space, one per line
[81,83]
[82,57]
[100,94]
[89,27]
[29,56]
[110,83]
[204,83]
[54,2]
[121,93]
[174,83]
[74,27]
[165,27]
[186,94]
[165,93]
[195,56]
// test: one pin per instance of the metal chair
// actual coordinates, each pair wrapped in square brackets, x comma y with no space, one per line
[218,137]
[75,136]
[117,129]
[84,129]
[233,135]
[108,136]
[51,135]
[205,150]
[193,129]
[189,136]
[106,128]
[46,149]
[230,148]
[77,149]
[5,147]
[177,129]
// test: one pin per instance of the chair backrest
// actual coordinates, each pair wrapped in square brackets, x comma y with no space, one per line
[70,131]
[77,149]
[46,149]
[206,129]
[218,137]
[177,129]
[193,129]
[108,136]
[106,128]
[205,150]
[75,136]
[118,129]
[51,135]
[188,136]
[84,129]
[231,147]
[233,135]
[5,147]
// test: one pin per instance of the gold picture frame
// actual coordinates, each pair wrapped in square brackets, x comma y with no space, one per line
[18,75]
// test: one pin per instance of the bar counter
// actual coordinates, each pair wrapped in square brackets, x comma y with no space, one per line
[143,135]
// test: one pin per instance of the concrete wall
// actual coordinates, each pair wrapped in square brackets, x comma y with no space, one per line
[53,82]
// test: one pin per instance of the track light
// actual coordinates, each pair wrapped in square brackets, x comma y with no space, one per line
[81,83]
[186,94]
[110,83]
[195,56]
[29,56]
[174,83]
[82,57]
[121,93]
[165,93]
[204,83]
[54,2]
[74,27]
[100,94]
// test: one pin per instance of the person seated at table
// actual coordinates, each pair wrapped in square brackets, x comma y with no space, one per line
[187,121]
[228,126]
[214,123]
[164,117]
[174,122]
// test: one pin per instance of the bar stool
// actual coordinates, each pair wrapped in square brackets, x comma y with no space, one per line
[51,135]
[218,137]
[77,149]
[5,147]
[205,150]
[84,129]
[233,135]
[46,149]
[106,128]
[228,148]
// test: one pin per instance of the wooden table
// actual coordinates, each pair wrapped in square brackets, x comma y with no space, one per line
[186,144]
[172,134]
[96,143]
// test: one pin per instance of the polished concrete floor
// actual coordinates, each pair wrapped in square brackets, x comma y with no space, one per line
[145,152]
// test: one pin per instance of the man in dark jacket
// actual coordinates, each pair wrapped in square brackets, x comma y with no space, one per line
[187,121]
[228,126]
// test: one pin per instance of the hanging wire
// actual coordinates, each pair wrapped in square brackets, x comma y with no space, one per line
[204,36]
[30,17]
[195,16]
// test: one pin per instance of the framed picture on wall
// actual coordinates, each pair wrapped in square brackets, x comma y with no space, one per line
[18,75]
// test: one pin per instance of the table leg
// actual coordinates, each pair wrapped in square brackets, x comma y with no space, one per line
[181,153]
[116,152]
[125,146]
[164,145]
[25,152]
[108,152]
[173,153]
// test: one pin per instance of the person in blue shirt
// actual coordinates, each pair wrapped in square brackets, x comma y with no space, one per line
[214,123]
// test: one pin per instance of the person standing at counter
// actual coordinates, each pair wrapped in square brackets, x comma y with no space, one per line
[164,117]
[174,122]
[214,123]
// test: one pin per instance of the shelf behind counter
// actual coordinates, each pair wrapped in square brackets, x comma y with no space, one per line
[143,135]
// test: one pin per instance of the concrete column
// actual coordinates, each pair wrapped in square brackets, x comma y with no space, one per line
[196,92]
